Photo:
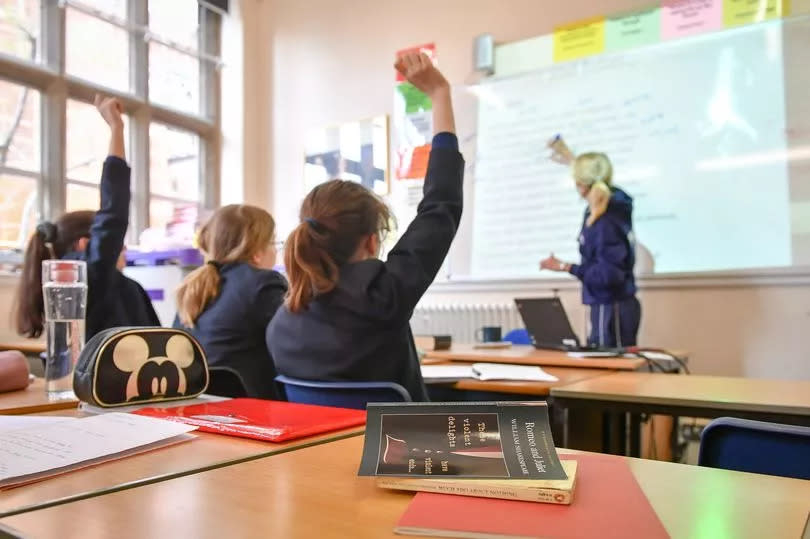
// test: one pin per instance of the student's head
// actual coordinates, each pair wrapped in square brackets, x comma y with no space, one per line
[234,234]
[591,168]
[341,222]
[69,233]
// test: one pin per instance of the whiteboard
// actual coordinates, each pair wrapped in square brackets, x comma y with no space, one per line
[710,135]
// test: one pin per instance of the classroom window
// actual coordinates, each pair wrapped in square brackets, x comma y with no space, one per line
[150,53]
[97,51]
[19,162]
[19,28]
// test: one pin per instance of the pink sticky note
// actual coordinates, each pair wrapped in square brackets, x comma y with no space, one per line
[681,18]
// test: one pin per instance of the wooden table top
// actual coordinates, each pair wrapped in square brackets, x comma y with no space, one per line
[207,451]
[11,341]
[31,400]
[718,392]
[315,492]
[529,355]
[566,375]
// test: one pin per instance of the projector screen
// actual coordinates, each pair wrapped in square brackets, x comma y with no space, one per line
[709,134]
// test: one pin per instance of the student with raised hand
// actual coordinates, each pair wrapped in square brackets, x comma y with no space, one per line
[607,248]
[228,302]
[347,315]
[96,237]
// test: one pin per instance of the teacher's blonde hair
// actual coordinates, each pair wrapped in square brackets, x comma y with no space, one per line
[594,170]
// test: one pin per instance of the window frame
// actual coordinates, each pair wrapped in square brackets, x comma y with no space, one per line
[56,87]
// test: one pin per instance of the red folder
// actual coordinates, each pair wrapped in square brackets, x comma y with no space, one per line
[271,421]
[608,503]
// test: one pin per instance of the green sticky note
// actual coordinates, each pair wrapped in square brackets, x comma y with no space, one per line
[633,30]
[415,100]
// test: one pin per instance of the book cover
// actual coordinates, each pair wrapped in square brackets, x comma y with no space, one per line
[271,421]
[486,440]
[609,504]
[528,490]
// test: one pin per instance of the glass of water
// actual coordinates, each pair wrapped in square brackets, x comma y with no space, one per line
[64,290]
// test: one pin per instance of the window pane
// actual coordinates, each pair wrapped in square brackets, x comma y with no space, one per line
[19,28]
[19,127]
[96,51]
[18,210]
[178,219]
[174,78]
[176,21]
[174,163]
[87,142]
[81,197]
[117,8]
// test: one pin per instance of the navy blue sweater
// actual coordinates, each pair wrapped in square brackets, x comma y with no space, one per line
[113,299]
[608,253]
[231,328]
[361,330]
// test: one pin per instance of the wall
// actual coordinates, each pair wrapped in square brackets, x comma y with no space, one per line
[331,62]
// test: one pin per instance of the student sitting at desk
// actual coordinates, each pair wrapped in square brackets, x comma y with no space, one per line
[347,315]
[607,248]
[96,237]
[228,302]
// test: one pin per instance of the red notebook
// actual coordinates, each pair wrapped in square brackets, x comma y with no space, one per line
[608,503]
[271,421]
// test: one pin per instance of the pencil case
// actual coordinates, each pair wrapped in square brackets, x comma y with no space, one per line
[133,365]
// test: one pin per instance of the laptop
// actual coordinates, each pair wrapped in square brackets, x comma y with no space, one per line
[549,328]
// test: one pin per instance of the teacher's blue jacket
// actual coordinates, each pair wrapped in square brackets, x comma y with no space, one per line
[608,255]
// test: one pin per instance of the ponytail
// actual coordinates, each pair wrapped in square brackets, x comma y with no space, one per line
[336,217]
[598,200]
[29,305]
[196,291]
[310,269]
[50,241]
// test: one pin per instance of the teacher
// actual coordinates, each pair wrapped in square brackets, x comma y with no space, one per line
[607,248]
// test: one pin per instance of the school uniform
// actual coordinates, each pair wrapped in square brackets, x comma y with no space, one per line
[360,331]
[231,328]
[607,248]
[113,300]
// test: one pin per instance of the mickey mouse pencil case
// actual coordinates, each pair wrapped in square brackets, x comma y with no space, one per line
[123,366]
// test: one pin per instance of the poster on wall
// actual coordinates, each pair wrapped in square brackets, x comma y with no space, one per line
[355,151]
[413,123]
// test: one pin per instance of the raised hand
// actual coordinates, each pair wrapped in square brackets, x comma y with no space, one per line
[419,70]
[110,109]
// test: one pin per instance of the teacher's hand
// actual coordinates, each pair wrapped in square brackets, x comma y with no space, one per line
[552,263]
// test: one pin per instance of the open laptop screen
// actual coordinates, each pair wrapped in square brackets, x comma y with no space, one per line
[547,323]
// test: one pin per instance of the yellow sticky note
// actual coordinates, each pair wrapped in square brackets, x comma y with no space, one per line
[583,38]
[739,12]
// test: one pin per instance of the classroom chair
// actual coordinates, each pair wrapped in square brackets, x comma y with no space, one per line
[756,446]
[518,336]
[225,382]
[342,394]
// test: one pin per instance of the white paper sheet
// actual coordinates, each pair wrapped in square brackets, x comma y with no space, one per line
[501,371]
[51,449]
[19,422]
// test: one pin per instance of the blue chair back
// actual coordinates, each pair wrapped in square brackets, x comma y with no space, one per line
[342,394]
[757,447]
[518,336]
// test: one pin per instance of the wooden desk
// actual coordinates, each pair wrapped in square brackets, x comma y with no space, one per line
[566,375]
[315,492]
[206,452]
[11,341]
[529,355]
[32,400]
[634,393]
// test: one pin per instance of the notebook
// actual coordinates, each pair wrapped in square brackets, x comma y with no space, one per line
[486,371]
[270,421]
[609,504]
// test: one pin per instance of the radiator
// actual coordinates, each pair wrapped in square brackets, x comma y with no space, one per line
[461,320]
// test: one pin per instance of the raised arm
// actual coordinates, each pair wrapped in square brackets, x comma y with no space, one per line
[419,254]
[110,223]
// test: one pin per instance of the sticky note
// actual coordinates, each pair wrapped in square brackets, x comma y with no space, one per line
[739,12]
[632,30]
[681,18]
[583,38]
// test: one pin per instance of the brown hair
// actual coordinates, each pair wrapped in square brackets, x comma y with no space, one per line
[335,218]
[50,241]
[235,233]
